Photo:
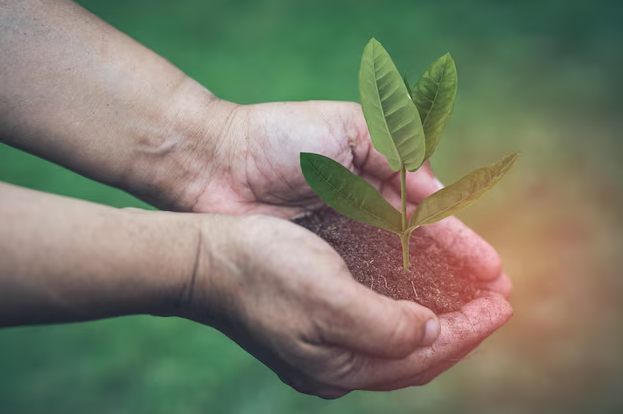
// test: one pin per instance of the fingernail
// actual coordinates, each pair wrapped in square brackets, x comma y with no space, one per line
[431,332]
[439,183]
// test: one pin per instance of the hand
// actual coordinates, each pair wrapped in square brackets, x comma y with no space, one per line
[286,297]
[255,169]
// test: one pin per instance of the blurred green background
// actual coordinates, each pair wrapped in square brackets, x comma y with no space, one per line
[542,77]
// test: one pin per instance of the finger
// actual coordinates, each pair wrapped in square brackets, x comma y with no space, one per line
[462,243]
[311,387]
[420,184]
[458,240]
[425,377]
[376,325]
[387,190]
[479,256]
[461,332]
[502,286]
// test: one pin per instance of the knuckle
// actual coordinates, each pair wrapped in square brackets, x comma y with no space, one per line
[423,379]
[332,394]
[309,387]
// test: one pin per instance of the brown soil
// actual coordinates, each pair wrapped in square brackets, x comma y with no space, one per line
[435,279]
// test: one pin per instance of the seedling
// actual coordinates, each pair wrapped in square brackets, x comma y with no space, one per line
[405,126]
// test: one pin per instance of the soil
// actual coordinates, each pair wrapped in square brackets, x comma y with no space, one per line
[435,278]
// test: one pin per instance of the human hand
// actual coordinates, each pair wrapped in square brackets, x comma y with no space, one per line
[254,168]
[286,297]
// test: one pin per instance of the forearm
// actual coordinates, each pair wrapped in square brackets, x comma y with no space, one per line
[64,260]
[80,93]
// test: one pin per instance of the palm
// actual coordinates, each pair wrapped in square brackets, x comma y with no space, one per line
[264,174]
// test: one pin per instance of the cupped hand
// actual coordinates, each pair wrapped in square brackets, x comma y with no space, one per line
[255,169]
[286,297]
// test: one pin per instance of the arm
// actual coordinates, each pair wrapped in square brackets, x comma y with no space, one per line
[80,93]
[276,289]
[66,260]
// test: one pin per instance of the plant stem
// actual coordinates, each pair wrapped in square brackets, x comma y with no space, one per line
[403,196]
[404,238]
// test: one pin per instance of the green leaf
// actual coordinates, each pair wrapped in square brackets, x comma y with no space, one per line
[461,194]
[394,124]
[434,95]
[348,193]
[406,81]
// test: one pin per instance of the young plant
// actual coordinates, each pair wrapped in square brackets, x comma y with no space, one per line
[405,126]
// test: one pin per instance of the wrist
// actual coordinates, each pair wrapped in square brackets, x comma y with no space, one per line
[196,287]
[189,137]
[165,259]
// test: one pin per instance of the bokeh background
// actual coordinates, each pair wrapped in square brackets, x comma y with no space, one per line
[541,77]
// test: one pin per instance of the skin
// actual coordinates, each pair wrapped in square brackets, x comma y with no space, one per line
[81,94]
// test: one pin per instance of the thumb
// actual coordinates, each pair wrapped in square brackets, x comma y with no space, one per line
[422,183]
[377,325]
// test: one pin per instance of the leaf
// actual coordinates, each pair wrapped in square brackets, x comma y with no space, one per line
[348,193]
[434,95]
[461,194]
[406,81]
[394,124]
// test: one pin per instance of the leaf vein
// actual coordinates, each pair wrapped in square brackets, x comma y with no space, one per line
[345,196]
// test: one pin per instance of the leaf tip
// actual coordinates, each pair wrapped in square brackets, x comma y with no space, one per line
[306,159]
[447,62]
[513,157]
[372,42]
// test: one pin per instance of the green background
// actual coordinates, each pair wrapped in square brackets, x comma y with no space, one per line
[541,77]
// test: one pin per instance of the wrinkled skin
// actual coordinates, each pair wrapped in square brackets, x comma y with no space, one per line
[255,169]
[285,296]
[288,297]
